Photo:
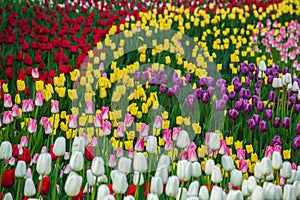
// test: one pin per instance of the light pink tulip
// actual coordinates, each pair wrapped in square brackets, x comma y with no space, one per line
[7,117]
[32,125]
[7,101]
[54,107]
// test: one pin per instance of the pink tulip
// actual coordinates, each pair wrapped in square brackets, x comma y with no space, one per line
[184,155]
[89,107]
[241,154]
[120,130]
[48,127]
[12,161]
[222,147]
[269,152]
[7,117]
[54,107]
[119,152]
[169,145]
[94,141]
[207,136]
[144,130]
[227,151]
[106,127]
[24,141]
[139,146]
[15,111]
[44,149]
[43,120]
[67,155]
[131,153]
[277,148]
[98,121]
[27,105]
[7,101]
[167,134]
[176,131]
[243,166]
[39,99]
[112,160]
[35,158]
[192,155]
[35,72]
[128,120]
[73,121]
[158,122]
[28,173]
[32,125]
[105,112]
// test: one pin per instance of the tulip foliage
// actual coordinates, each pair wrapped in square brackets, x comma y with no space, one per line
[150,100]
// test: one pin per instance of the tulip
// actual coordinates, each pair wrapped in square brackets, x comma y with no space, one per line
[43,166]
[266,166]
[119,180]
[217,193]
[277,83]
[89,108]
[140,163]
[289,192]
[258,193]
[54,107]
[164,162]
[257,171]
[109,197]
[151,196]
[103,191]
[20,171]
[8,196]
[73,184]
[27,105]
[144,130]
[73,121]
[156,185]
[203,193]
[196,170]
[216,175]
[214,141]
[193,190]
[227,163]
[128,120]
[59,148]
[112,160]
[15,111]
[286,170]
[262,66]
[236,178]
[39,99]
[78,144]
[276,160]
[245,190]
[151,146]
[29,188]
[183,139]
[208,167]
[120,130]
[286,123]
[91,179]
[233,114]
[235,195]
[297,187]
[184,170]
[7,117]
[286,78]
[124,165]
[138,179]
[5,150]
[172,187]
[182,194]
[163,174]
[292,178]
[270,191]
[139,145]
[7,101]
[76,161]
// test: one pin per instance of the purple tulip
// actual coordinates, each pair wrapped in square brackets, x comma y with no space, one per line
[256,91]
[162,88]
[276,68]
[260,106]
[176,90]
[235,80]
[170,92]
[232,95]
[202,82]
[220,82]
[198,93]
[255,99]
[262,126]
[188,78]
[137,76]
[210,81]
[247,81]
[268,114]
[276,122]
[145,76]
[286,70]
[225,98]
[247,108]
[251,124]
[237,86]
[223,90]
[296,142]
[270,79]
[174,76]
[276,140]
[233,114]
[286,123]
[269,71]
[297,108]
[190,101]
[238,105]
[271,95]
[298,129]
[205,98]
[256,118]
[164,79]
[211,91]
[251,67]
[220,105]
[153,81]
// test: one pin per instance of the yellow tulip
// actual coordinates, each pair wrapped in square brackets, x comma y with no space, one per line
[20,85]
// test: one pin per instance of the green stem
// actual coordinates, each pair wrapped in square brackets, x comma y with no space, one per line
[55,178]
[118,196]
[137,191]
[149,170]
[181,191]
[40,187]
[95,188]
[19,187]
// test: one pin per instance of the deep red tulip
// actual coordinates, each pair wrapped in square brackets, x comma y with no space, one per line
[79,196]
[8,178]
[26,155]
[9,74]
[53,156]
[131,190]
[45,186]
[89,153]
[15,152]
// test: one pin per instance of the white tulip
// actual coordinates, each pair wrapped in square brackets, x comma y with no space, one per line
[196,170]
[29,188]
[216,193]
[76,161]
[277,83]
[258,194]
[8,196]
[260,74]
[266,166]
[262,66]
[276,160]
[251,184]
[297,188]
[136,178]
[214,141]
[184,170]
[182,194]
[43,165]
[163,162]
[245,190]
[235,195]
[59,147]
[183,139]
[129,197]
[286,78]
[216,175]
[109,197]
[98,166]
[286,170]
[172,186]
[208,166]
[5,150]
[156,185]
[163,174]
[151,146]
[151,196]
[124,165]
[295,86]
[20,171]
[103,191]
[120,183]
[73,184]
[91,179]
[236,178]
[289,192]
[203,193]
[139,162]
[257,171]
[193,190]
[78,144]
[227,163]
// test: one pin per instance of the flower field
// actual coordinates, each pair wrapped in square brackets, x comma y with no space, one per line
[186,100]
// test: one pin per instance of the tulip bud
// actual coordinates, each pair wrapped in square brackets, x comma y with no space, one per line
[73,184]
[29,188]
[286,170]
[277,83]
[184,170]
[163,174]
[172,187]
[5,150]
[214,141]
[262,66]
[208,166]
[286,78]
[136,179]
[43,165]
[196,170]
[193,189]
[292,178]
[289,192]
[257,171]
[120,184]
[140,163]
[124,165]
[227,163]
[216,175]
[235,195]
[109,197]
[103,191]
[151,196]
[251,184]
[156,185]
[236,178]
[76,161]
[203,193]
[164,162]
[151,146]
[276,160]
[78,144]
[91,179]
[59,147]
[297,187]
[258,193]
[183,139]
[216,193]
[266,166]
[98,166]
[8,196]
[182,194]
[245,190]
[20,171]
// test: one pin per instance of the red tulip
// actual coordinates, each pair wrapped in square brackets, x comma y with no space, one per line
[45,186]
[26,155]
[8,178]
[131,190]
[9,73]
[15,152]
[53,156]
[79,196]
[89,153]
[27,60]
